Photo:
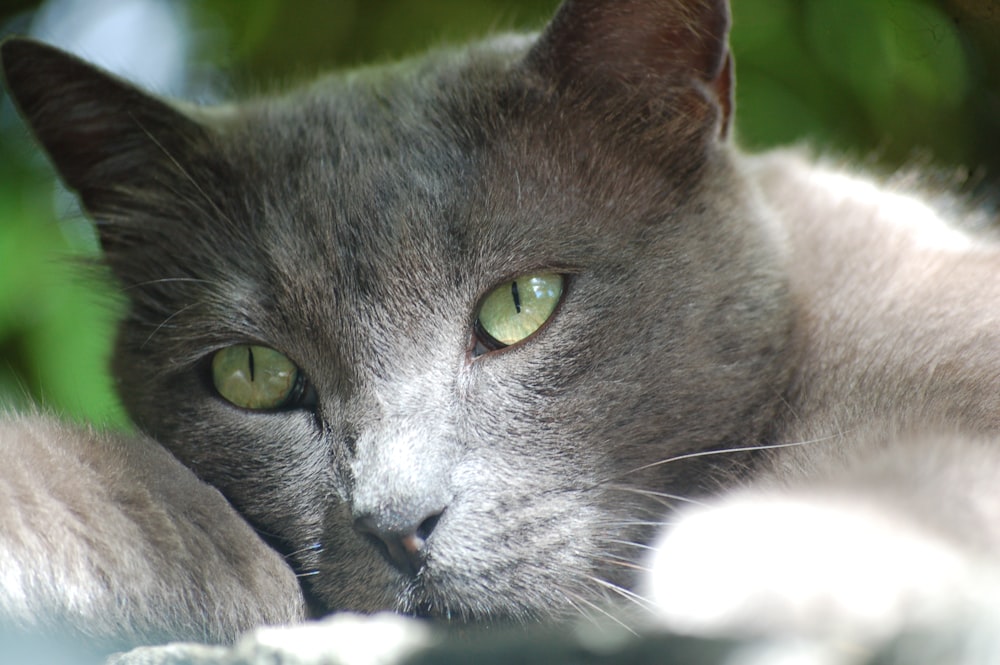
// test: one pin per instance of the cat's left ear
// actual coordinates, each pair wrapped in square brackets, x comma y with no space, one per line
[109,140]
[675,48]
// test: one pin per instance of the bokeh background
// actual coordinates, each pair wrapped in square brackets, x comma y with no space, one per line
[883,82]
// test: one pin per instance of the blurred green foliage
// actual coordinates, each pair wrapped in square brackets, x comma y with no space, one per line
[881,80]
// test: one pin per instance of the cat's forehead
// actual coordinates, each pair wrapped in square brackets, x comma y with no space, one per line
[419,112]
[391,162]
[461,144]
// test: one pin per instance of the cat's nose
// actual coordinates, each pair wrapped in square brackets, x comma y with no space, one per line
[402,544]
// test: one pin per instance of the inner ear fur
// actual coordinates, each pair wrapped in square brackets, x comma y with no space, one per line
[652,47]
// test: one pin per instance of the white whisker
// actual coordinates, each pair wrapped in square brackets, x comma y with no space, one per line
[609,615]
[724,451]
[639,600]
[165,322]
[614,560]
[626,523]
[629,543]
[315,547]
[653,493]
[573,601]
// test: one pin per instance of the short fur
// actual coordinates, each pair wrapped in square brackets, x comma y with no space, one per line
[715,303]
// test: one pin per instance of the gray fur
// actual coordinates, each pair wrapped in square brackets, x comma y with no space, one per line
[714,303]
[109,541]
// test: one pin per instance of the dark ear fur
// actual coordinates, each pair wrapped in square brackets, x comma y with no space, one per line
[652,45]
[107,138]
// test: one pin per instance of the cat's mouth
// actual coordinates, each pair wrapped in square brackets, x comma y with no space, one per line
[423,600]
[417,601]
[429,612]
[426,610]
[420,600]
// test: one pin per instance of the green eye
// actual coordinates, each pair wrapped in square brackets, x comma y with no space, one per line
[516,309]
[254,377]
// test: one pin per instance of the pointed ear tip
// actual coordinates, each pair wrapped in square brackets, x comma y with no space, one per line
[18,49]
[14,51]
[15,47]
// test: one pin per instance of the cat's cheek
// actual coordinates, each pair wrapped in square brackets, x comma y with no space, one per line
[809,564]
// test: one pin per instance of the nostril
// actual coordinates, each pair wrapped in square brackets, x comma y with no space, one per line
[427,526]
[402,546]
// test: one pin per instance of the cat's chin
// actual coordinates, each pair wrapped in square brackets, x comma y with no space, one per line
[449,606]
[430,595]
[416,601]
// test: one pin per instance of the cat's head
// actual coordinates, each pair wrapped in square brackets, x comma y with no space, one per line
[436,327]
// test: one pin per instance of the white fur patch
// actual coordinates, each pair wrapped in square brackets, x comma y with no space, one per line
[909,215]
[813,565]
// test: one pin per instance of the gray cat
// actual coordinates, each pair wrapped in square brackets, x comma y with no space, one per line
[468,336]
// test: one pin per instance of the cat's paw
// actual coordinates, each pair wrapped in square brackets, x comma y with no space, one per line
[107,539]
[824,565]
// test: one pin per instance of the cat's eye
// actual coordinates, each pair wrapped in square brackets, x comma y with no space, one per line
[256,377]
[513,311]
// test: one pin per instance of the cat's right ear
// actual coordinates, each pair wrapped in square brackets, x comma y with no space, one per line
[108,139]
[674,51]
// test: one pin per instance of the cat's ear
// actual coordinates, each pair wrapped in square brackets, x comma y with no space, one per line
[674,47]
[108,139]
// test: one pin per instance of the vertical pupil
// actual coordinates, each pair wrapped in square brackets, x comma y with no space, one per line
[516,296]
[250,361]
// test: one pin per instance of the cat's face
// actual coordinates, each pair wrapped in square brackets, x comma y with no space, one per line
[358,227]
